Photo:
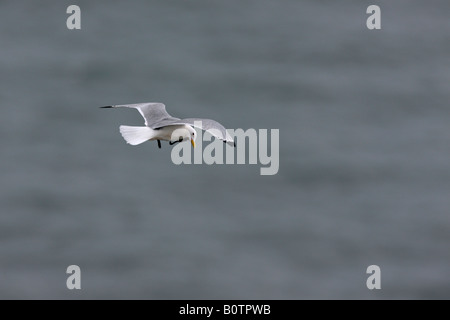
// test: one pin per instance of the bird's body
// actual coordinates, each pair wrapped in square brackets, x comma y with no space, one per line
[161,126]
[138,135]
[169,133]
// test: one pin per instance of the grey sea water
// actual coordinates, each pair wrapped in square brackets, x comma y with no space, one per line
[364,173]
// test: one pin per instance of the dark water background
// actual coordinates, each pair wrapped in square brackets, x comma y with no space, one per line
[364,150]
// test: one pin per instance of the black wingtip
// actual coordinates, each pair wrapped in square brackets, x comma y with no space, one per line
[234,142]
[106,107]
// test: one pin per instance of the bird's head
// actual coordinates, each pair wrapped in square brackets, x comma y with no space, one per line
[185,133]
[192,135]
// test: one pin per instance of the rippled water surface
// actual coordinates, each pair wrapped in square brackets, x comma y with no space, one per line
[364,156]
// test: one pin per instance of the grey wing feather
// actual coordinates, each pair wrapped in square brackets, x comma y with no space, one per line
[152,112]
[211,126]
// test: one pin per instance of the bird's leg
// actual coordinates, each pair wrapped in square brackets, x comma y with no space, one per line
[179,140]
[159,143]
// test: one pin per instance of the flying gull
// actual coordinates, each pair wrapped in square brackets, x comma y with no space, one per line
[159,125]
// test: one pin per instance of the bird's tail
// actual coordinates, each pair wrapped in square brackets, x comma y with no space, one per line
[136,135]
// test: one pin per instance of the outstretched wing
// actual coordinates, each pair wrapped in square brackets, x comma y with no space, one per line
[213,127]
[152,112]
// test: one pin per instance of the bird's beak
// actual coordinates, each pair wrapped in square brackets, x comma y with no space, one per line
[193,143]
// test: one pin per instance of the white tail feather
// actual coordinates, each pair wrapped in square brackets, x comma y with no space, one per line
[136,135]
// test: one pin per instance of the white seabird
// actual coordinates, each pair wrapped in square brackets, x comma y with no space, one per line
[159,125]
